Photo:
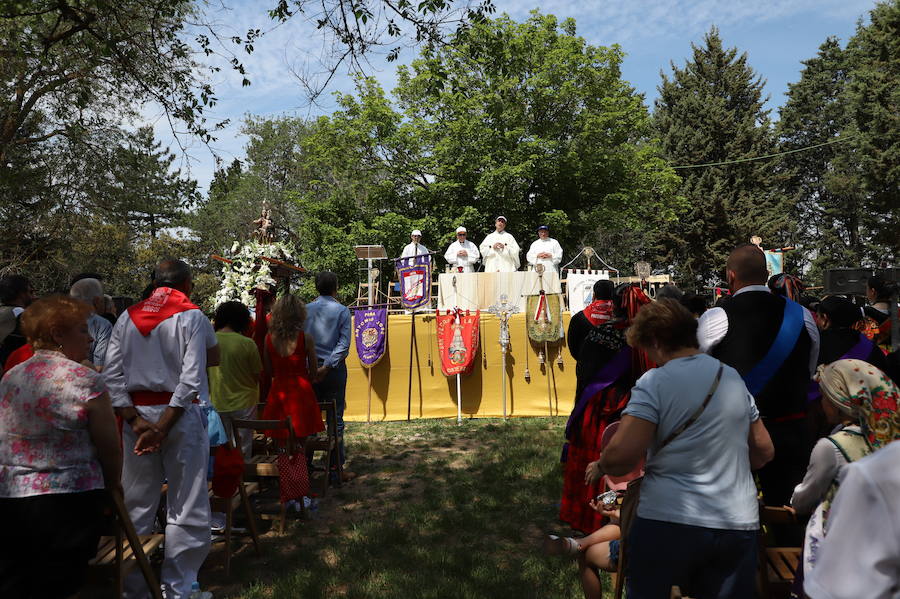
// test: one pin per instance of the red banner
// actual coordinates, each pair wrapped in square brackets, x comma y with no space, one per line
[457,337]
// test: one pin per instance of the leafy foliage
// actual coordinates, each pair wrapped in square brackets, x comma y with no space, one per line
[709,111]
[874,102]
[523,119]
[847,202]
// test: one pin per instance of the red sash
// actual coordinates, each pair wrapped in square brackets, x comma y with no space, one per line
[599,311]
[164,302]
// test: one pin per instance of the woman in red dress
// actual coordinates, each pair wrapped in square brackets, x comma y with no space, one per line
[287,358]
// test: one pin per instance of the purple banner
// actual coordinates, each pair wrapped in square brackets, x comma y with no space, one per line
[415,281]
[370,331]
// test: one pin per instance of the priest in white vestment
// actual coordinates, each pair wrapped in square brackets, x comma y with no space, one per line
[414,248]
[545,250]
[500,250]
[462,254]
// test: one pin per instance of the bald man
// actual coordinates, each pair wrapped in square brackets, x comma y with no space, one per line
[741,333]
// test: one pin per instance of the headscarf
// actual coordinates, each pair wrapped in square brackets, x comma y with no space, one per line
[862,391]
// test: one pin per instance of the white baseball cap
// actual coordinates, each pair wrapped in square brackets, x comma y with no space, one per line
[461,230]
[501,217]
[416,232]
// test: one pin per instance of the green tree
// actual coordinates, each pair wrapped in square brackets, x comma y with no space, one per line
[874,103]
[80,65]
[830,208]
[524,119]
[712,110]
[530,121]
[138,186]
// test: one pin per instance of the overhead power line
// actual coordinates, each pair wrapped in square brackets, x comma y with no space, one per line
[767,156]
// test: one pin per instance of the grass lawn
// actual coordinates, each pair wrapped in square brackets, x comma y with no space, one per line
[438,510]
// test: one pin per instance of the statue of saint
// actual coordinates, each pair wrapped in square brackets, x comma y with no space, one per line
[263,224]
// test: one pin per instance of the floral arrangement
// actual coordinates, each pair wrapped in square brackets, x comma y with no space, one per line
[248,271]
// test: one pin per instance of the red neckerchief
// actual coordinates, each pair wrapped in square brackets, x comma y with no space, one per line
[599,311]
[163,303]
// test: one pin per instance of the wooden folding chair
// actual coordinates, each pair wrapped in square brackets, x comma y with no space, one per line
[329,444]
[119,553]
[777,566]
[227,505]
[265,465]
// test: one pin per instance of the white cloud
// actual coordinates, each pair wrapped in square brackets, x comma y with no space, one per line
[642,20]
[651,27]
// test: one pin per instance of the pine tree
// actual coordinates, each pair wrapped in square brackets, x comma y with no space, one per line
[142,189]
[709,111]
[825,182]
[874,100]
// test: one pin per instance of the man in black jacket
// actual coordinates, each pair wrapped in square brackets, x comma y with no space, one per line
[740,334]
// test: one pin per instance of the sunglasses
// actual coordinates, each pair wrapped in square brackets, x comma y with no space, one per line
[460,234]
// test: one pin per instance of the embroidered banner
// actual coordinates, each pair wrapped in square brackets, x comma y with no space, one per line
[774,262]
[580,287]
[370,330]
[457,337]
[544,318]
[415,281]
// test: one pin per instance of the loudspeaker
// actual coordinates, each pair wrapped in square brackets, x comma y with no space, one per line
[847,281]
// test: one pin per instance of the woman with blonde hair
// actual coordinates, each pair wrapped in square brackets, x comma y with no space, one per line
[289,357]
[59,455]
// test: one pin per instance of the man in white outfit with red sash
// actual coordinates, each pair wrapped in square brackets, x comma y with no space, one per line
[156,373]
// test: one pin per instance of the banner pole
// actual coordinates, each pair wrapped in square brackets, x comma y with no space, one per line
[458,400]
[503,379]
[549,364]
[412,343]
[369,406]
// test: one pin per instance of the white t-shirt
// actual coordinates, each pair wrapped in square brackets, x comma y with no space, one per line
[171,358]
[702,478]
[860,556]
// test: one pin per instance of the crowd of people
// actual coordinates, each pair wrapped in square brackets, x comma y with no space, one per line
[90,408]
[767,397]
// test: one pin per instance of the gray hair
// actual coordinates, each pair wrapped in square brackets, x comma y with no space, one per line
[87,290]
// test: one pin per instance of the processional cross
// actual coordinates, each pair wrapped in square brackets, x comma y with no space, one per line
[502,309]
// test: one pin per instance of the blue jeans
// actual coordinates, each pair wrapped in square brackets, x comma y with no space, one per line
[334,388]
[707,563]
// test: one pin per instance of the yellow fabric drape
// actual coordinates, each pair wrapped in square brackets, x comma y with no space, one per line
[434,395]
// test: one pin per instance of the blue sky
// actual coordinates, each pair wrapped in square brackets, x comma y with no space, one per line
[776,34]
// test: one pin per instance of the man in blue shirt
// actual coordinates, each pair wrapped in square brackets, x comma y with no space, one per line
[328,321]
